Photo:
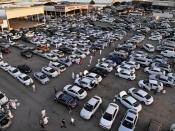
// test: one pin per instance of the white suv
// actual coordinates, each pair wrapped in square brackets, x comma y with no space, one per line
[90,107]
[129,121]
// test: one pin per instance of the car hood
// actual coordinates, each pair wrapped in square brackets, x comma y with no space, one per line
[85,114]
[105,122]
[122,128]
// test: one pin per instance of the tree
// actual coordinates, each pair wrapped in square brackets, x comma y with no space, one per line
[92,2]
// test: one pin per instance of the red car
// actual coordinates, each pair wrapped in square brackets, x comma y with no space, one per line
[5,50]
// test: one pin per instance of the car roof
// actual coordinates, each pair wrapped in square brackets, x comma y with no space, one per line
[153,81]
[111,108]
[93,101]
[131,99]
[75,88]
[48,68]
[143,93]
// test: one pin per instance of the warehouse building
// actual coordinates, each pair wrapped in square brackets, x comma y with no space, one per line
[21,15]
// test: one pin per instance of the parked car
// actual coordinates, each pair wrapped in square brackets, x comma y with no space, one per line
[25,79]
[58,53]
[151,85]
[57,66]
[65,61]
[125,67]
[50,71]
[132,64]
[167,81]
[90,107]
[65,99]
[99,71]
[154,70]
[129,101]
[14,71]
[75,91]
[129,121]
[5,66]
[126,74]
[27,53]
[3,99]
[163,66]
[85,82]
[141,95]
[41,77]
[105,66]
[168,53]
[109,116]
[24,68]
[92,75]
[149,47]
[172,75]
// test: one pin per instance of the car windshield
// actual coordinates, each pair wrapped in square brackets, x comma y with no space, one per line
[14,71]
[43,76]
[107,116]
[147,96]
[51,70]
[127,124]
[136,104]
[80,91]
[26,78]
[88,107]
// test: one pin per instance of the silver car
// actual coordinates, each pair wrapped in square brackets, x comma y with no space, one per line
[41,77]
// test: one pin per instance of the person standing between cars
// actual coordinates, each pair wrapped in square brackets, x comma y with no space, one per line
[72,121]
[100,51]
[34,88]
[98,61]
[63,123]
[1,55]
[43,113]
[90,60]
[73,75]
[45,120]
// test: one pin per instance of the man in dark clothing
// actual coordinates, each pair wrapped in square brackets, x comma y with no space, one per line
[63,123]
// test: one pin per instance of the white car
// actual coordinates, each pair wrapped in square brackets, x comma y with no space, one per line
[151,85]
[50,71]
[57,66]
[14,71]
[5,66]
[172,75]
[126,74]
[125,67]
[108,117]
[3,98]
[141,95]
[129,101]
[75,91]
[132,63]
[168,53]
[90,107]
[92,75]
[51,56]
[155,37]
[85,82]
[149,47]
[105,66]
[25,79]
[129,121]
[154,71]
[58,53]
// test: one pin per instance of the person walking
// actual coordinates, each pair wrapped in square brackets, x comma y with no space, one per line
[34,88]
[77,76]
[72,121]
[73,75]
[100,51]
[98,61]
[41,123]
[63,123]
[10,114]
[45,120]
[43,113]
[90,60]
[1,57]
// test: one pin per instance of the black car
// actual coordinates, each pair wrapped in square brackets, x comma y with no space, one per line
[24,68]
[65,99]
[66,50]
[99,71]
[27,53]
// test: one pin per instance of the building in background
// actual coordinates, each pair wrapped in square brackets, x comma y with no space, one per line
[21,15]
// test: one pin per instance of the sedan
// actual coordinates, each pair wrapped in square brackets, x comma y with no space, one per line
[50,71]
[24,68]
[5,66]
[65,99]
[129,101]
[14,71]
[154,70]
[108,117]
[41,77]
[25,79]
[151,85]
[141,95]
[75,91]
[105,66]
[91,107]
[132,64]
[57,66]
[126,74]
[3,99]
[99,71]
[92,75]
[125,67]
